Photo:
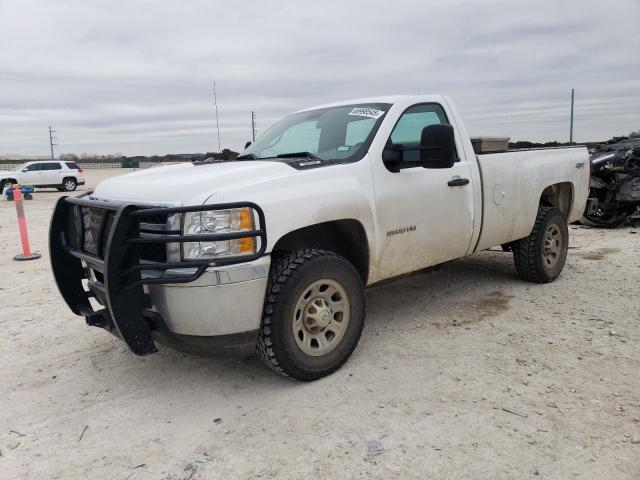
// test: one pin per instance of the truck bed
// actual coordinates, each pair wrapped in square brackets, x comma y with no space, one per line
[514,181]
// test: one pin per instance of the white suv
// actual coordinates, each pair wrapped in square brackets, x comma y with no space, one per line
[65,176]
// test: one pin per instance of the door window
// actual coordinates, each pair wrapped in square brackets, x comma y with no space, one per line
[408,130]
[34,167]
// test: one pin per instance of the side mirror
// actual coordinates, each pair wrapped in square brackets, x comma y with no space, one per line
[393,157]
[246,145]
[24,170]
[437,146]
[437,150]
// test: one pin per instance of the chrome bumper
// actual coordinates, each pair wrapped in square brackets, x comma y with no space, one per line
[222,301]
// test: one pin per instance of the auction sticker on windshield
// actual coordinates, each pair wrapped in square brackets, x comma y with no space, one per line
[366,112]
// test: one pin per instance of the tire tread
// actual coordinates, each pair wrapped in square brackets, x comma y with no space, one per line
[525,251]
[283,267]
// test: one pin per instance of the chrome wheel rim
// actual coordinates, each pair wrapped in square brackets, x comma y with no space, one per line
[321,317]
[69,185]
[552,246]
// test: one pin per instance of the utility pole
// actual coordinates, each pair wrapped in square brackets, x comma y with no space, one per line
[571,124]
[215,102]
[51,139]
[253,125]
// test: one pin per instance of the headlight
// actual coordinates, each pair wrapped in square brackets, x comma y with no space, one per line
[219,221]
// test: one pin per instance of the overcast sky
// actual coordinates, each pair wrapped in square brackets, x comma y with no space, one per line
[136,77]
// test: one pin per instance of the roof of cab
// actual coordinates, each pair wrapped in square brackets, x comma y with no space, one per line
[382,99]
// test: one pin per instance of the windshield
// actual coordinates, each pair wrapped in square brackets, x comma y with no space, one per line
[19,167]
[340,133]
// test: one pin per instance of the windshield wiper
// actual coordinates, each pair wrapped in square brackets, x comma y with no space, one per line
[299,155]
[252,156]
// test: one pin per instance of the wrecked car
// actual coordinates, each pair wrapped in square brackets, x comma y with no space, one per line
[614,194]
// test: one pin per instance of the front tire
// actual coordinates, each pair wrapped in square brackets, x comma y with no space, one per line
[313,314]
[541,256]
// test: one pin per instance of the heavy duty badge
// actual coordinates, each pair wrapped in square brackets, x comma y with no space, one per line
[398,231]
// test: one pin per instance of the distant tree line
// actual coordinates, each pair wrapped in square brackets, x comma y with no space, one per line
[226,154]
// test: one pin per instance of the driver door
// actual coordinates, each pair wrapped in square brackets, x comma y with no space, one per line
[425,216]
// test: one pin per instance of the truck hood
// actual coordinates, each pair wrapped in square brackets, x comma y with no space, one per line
[186,183]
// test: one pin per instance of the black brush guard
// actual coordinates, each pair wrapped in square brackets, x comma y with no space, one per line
[116,257]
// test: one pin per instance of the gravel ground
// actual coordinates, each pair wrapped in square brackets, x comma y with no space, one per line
[462,372]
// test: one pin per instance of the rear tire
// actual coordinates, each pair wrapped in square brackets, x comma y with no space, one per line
[69,184]
[541,256]
[313,314]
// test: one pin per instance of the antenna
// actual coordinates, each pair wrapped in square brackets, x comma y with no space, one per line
[253,125]
[215,102]
[571,124]
[51,139]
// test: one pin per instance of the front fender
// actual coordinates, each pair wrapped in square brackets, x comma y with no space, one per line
[335,192]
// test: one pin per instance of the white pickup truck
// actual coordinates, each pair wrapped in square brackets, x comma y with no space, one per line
[272,251]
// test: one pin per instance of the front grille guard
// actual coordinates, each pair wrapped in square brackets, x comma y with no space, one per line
[121,290]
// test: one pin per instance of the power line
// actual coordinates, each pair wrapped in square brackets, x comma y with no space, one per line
[215,101]
[253,125]
[51,139]
[571,123]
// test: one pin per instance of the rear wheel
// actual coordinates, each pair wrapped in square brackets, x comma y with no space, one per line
[69,184]
[313,314]
[541,256]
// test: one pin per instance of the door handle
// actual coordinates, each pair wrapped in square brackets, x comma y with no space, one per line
[458,182]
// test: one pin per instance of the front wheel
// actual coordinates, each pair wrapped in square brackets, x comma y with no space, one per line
[313,314]
[540,257]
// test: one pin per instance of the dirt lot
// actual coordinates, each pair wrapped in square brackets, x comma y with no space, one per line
[464,372]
